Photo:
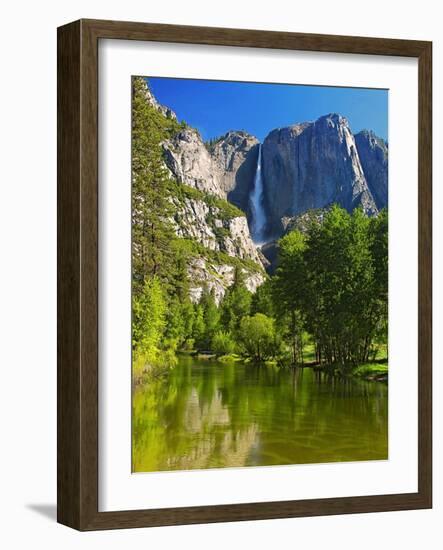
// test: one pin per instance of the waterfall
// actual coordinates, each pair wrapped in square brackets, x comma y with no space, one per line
[256,202]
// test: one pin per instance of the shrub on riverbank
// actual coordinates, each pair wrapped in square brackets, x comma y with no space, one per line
[222,343]
[371,371]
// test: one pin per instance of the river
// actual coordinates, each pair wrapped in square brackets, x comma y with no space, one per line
[207,414]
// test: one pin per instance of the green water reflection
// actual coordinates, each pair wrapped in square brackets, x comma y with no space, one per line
[206,414]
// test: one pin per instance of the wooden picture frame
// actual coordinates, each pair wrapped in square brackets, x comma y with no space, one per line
[78,274]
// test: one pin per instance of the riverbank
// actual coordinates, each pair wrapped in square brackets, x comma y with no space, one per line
[375,371]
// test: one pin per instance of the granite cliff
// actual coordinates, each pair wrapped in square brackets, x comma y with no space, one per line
[225,168]
[373,153]
[314,164]
[235,158]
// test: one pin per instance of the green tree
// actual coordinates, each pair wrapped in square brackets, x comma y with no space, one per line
[222,343]
[290,290]
[236,303]
[198,328]
[175,331]
[332,279]
[148,320]
[379,249]
[263,300]
[188,313]
[151,232]
[257,337]
[211,317]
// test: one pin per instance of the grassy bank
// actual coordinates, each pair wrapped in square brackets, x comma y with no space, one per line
[375,370]
[372,371]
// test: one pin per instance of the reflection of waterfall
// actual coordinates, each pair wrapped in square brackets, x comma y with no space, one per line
[256,202]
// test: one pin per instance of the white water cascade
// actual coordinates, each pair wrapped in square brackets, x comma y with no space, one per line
[256,201]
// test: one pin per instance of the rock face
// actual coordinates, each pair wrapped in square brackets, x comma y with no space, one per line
[165,111]
[235,158]
[373,153]
[216,278]
[190,163]
[239,243]
[195,219]
[226,169]
[312,165]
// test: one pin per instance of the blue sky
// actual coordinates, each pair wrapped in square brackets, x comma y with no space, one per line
[214,107]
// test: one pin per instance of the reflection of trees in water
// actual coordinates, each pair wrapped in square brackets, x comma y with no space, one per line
[210,415]
[200,414]
[219,449]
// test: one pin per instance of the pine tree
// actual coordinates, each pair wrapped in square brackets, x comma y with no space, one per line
[149,319]
[151,233]
[211,317]
[198,329]
[236,303]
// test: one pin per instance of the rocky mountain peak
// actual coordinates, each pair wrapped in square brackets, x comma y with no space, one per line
[231,146]
[312,165]
[373,141]
[332,120]
[225,168]
[150,98]
[235,138]
[373,154]
[335,124]
[235,160]
[281,135]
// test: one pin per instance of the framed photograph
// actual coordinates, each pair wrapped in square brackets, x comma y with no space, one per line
[244,274]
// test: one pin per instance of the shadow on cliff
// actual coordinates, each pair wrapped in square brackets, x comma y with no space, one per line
[244,181]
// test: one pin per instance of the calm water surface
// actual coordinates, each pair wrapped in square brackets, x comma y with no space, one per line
[206,414]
